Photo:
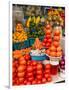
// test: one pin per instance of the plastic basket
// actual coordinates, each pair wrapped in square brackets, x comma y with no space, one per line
[39,58]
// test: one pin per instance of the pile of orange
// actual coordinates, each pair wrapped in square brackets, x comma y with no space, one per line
[55,50]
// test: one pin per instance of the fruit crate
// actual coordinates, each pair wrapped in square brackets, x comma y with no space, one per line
[21,45]
[31,40]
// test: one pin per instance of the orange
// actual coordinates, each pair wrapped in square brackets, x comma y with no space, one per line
[53,48]
[56,38]
[59,49]
[52,53]
[56,43]
[59,54]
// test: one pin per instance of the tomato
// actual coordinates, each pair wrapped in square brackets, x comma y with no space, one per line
[48,36]
[47,66]
[34,82]
[29,74]
[34,63]
[39,72]
[20,74]
[25,82]
[39,77]
[47,71]
[34,67]
[48,45]
[28,62]
[48,51]
[45,40]
[49,79]
[56,38]
[44,80]
[52,48]
[56,44]
[15,63]
[13,70]
[30,78]
[28,83]
[29,68]
[48,32]
[43,44]
[22,61]
[21,68]
[39,82]
[39,66]
[56,32]
[17,82]
[48,26]
[49,40]
[27,57]
[46,75]
[21,80]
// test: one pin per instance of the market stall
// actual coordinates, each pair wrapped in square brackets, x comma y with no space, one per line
[38,51]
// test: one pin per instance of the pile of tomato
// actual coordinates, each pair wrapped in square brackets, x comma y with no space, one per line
[28,72]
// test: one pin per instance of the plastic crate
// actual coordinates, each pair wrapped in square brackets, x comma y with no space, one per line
[21,45]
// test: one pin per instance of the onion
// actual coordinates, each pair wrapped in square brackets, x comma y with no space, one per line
[62,62]
[62,67]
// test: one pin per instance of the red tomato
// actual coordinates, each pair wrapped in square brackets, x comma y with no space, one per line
[20,74]
[48,26]
[47,71]
[48,45]
[34,67]
[21,80]
[43,43]
[48,32]
[34,63]
[45,40]
[27,57]
[21,68]
[13,70]
[39,77]
[39,82]
[15,63]
[34,82]
[25,82]
[31,78]
[48,51]
[29,74]
[28,62]
[28,83]
[47,66]
[39,72]
[49,79]
[44,80]
[49,40]
[29,68]
[39,66]
[22,61]
[46,75]
[48,36]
